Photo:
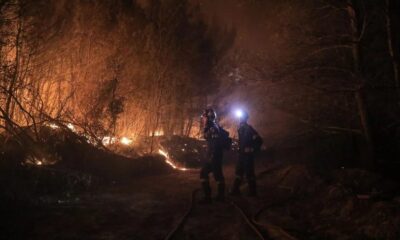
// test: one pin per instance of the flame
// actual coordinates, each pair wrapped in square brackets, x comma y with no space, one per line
[37,161]
[126,141]
[158,133]
[53,126]
[169,162]
[71,127]
[108,140]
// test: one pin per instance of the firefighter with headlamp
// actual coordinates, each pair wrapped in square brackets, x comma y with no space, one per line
[249,143]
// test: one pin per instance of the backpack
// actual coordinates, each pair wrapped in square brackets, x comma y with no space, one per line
[226,141]
[257,142]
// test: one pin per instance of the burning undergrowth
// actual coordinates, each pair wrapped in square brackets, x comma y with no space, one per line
[179,152]
[62,162]
[183,153]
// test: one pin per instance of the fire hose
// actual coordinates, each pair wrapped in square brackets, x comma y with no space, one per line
[248,221]
[252,222]
[185,216]
[182,221]
[273,230]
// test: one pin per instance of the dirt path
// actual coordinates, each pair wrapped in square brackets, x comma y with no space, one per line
[147,208]
[216,221]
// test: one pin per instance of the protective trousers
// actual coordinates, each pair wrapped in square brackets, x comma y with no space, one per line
[213,166]
[245,167]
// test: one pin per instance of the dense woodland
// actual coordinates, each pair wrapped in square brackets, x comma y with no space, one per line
[100,129]
[313,69]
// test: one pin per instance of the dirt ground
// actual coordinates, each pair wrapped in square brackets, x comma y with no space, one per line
[293,203]
[147,208]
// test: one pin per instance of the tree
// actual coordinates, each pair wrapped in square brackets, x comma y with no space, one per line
[18,99]
[317,77]
[391,41]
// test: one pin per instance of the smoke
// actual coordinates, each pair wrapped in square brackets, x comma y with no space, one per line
[162,54]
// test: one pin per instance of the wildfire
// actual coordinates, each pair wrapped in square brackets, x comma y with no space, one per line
[53,126]
[159,133]
[71,127]
[36,161]
[169,162]
[108,140]
[126,141]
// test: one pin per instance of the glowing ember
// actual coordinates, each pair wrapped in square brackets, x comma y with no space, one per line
[126,141]
[53,126]
[90,139]
[158,133]
[71,126]
[169,162]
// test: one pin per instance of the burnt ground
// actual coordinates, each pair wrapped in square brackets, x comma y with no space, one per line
[294,202]
[146,208]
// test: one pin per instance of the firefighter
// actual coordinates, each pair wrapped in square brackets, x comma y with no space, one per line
[249,143]
[213,164]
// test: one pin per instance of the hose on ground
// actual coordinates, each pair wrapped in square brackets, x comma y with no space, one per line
[181,222]
[184,217]
[248,221]
[273,230]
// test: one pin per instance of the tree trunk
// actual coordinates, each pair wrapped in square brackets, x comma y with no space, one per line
[15,76]
[391,45]
[368,155]
[362,111]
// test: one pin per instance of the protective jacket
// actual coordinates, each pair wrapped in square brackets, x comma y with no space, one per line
[212,136]
[249,143]
[214,162]
[248,139]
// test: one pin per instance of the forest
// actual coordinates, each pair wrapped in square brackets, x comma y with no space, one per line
[101,134]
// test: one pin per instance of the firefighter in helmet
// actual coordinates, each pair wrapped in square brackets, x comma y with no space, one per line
[249,143]
[213,163]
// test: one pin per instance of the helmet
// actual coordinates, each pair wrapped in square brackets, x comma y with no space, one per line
[210,114]
[244,116]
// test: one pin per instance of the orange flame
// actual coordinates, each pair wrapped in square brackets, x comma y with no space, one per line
[126,141]
[169,162]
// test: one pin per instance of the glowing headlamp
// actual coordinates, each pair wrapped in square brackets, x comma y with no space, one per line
[239,113]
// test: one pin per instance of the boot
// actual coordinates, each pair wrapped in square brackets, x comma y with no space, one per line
[252,188]
[207,193]
[235,190]
[221,192]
